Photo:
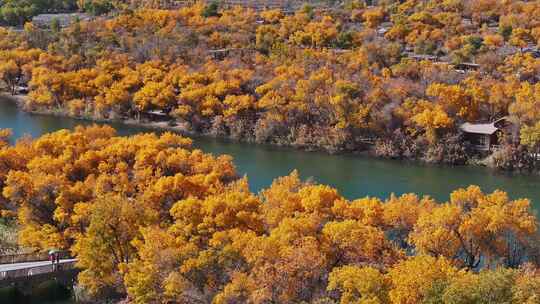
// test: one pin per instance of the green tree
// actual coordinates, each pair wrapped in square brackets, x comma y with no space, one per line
[211,10]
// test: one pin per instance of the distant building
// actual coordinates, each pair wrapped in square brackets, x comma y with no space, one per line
[64,20]
[261,4]
[288,7]
[420,57]
[534,51]
[156,116]
[467,66]
[467,22]
[384,28]
[485,136]
[221,54]
[508,50]
[21,90]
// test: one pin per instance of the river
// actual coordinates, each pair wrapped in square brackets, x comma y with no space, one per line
[353,175]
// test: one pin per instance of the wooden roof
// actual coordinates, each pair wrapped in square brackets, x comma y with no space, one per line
[487,128]
[481,128]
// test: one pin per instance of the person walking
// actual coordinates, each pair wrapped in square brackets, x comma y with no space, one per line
[54,259]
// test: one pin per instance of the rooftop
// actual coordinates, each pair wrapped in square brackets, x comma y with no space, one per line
[482,128]
[485,128]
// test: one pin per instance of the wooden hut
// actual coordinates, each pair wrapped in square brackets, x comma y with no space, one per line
[485,136]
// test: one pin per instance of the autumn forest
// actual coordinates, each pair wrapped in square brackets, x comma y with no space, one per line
[397,79]
[151,219]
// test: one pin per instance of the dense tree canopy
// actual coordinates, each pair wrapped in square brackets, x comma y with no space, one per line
[329,79]
[151,217]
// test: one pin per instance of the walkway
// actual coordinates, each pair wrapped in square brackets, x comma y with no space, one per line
[26,265]
[36,271]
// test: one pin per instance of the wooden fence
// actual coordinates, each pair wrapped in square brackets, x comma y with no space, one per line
[36,270]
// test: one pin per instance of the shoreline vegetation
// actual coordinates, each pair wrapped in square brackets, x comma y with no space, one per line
[152,220]
[20,100]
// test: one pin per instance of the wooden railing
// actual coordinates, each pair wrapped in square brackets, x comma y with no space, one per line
[37,270]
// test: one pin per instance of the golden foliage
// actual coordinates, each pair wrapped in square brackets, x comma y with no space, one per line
[152,217]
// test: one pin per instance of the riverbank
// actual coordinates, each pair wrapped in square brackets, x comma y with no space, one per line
[20,100]
[444,153]
[178,127]
[353,175]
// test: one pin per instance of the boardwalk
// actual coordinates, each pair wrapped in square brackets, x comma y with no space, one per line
[28,265]
[29,272]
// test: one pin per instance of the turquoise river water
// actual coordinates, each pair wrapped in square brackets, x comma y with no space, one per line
[353,175]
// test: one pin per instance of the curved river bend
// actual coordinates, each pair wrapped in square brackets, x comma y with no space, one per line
[354,176]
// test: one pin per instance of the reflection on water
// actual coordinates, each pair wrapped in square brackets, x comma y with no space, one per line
[354,176]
